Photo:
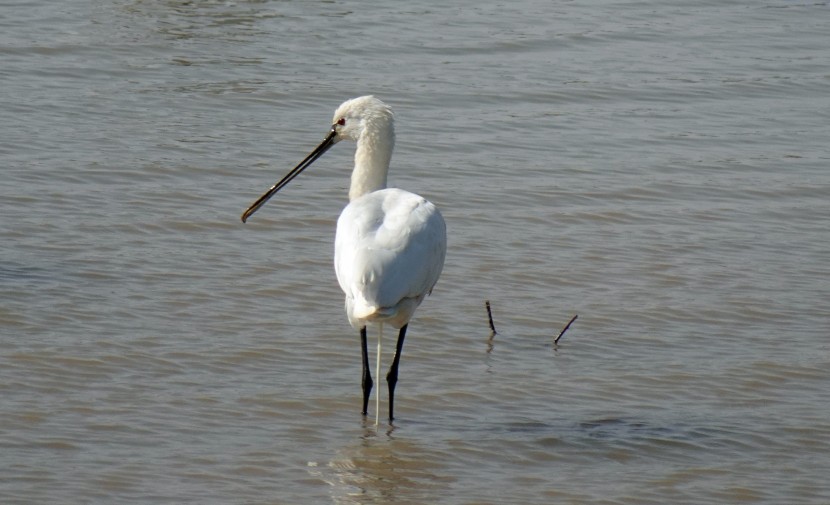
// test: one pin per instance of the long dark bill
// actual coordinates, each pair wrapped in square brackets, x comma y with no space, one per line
[318,151]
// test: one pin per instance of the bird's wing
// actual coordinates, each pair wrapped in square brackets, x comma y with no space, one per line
[390,245]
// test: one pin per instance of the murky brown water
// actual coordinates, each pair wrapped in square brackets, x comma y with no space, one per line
[662,171]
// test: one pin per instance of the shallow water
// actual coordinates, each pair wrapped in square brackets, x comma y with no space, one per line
[660,170]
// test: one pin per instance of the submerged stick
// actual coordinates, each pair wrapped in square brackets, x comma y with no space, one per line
[490,316]
[565,329]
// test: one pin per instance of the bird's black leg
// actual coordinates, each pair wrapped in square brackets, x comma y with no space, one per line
[392,376]
[366,382]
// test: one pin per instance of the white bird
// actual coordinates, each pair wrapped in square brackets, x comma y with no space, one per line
[390,244]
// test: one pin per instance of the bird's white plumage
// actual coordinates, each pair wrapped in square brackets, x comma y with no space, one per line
[390,245]
[389,251]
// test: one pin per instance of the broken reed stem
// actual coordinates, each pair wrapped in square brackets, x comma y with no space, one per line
[565,329]
[490,316]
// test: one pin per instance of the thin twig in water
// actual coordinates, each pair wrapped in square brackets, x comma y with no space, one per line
[490,316]
[565,329]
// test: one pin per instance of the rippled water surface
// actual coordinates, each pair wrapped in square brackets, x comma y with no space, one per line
[660,169]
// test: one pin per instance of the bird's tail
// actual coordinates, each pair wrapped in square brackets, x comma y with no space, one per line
[363,309]
[367,311]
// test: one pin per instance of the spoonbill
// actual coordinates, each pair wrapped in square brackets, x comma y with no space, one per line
[390,244]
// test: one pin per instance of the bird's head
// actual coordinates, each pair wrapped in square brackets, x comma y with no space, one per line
[363,119]
[365,114]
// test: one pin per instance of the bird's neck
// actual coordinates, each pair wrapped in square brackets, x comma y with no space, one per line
[371,162]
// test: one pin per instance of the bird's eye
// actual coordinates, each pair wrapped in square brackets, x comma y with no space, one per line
[341,121]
